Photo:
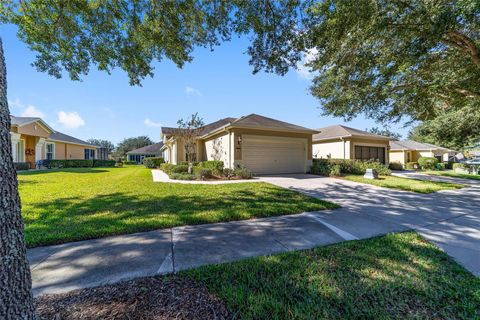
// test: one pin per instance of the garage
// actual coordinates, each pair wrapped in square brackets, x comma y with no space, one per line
[274,155]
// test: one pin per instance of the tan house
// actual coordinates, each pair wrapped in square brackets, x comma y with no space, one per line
[261,144]
[410,151]
[341,142]
[33,140]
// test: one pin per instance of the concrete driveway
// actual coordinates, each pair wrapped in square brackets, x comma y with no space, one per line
[450,219]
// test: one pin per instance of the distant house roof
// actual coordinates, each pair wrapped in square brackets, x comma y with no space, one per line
[151,149]
[340,131]
[62,137]
[250,121]
[23,121]
[414,145]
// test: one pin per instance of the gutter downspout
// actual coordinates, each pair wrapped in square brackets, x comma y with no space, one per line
[341,138]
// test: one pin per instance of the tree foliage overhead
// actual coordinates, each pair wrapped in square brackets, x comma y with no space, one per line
[385,131]
[102,143]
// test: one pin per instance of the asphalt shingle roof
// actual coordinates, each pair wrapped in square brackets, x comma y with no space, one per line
[151,149]
[66,138]
[338,131]
[414,145]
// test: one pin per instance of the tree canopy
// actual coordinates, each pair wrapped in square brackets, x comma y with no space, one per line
[385,132]
[102,143]
[130,144]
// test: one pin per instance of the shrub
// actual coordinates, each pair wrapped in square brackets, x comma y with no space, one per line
[153,162]
[215,166]
[182,176]
[71,163]
[166,167]
[179,168]
[461,167]
[228,173]
[103,163]
[129,162]
[411,165]
[324,167]
[21,166]
[243,173]
[336,170]
[202,173]
[427,163]
[194,163]
[395,166]
[440,166]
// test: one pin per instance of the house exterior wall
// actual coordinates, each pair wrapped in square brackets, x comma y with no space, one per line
[336,149]
[218,148]
[33,129]
[398,156]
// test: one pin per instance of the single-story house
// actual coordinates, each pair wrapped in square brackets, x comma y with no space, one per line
[33,140]
[342,142]
[410,151]
[153,150]
[263,145]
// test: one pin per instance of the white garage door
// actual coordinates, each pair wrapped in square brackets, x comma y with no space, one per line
[269,155]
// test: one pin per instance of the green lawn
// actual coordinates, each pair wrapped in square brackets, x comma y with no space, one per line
[75,204]
[455,175]
[397,276]
[406,184]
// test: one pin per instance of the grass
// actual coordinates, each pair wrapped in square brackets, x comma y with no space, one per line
[407,184]
[395,276]
[455,175]
[75,204]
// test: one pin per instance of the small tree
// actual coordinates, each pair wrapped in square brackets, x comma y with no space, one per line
[129,144]
[188,133]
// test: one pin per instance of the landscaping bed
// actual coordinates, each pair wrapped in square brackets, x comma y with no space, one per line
[63,205]
[397,276]
[407,184]
[204,171]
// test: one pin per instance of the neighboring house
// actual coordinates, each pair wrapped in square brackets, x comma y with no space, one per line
[33,140]
[411,151]
[341,142]
[153,150]
[261,144]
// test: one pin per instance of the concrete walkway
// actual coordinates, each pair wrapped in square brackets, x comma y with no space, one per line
[451,219]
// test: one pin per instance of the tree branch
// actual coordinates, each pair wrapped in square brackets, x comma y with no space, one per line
[464,43]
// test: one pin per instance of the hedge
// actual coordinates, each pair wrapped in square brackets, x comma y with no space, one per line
[129,162]
[395,166]
[215,166]
[77,163]
[335,167]
[153,162]
[21,166]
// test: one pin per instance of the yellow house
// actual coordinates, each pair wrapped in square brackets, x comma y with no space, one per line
[342,142]
[410,151]
[263,145]
[33,140]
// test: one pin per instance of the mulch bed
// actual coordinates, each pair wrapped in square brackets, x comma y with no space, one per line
[142,298]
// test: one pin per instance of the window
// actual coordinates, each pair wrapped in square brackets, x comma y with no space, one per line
[89,154]
[49,151]
[370,153]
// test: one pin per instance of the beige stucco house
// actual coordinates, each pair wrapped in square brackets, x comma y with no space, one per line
[263,145]
[341,142]
[410,151]
[33,139]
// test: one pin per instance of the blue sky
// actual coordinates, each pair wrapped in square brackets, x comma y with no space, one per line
[216,84]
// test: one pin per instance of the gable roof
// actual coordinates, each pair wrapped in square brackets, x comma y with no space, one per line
[253,121]
[151,149]
[340,131]
[414,145]
[23,121]
[62,137]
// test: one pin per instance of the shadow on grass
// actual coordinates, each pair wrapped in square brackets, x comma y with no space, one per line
[71,219]
[395,276]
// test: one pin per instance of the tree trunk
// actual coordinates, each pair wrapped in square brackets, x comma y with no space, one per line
[16,300]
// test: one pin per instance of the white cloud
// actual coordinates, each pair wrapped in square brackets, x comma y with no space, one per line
[303,71]
[150,123]
[32,111]
[192,91]
[26,110]
[70,120]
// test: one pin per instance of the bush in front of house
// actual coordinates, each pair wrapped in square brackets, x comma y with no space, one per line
[70,163]
[166,167]
[324,167]
[427,163]
[243,173]
[129,162]
[395,166]
[228,173]
[19,166]
[103,163]
[440,166]
[153,162]
[411,165]
[179,168]
[461,168]
[216,166]
[182,176]
[202,173]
